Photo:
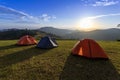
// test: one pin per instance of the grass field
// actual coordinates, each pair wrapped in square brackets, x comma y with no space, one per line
[30,63]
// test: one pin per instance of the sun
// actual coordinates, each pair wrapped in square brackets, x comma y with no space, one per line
[86,24]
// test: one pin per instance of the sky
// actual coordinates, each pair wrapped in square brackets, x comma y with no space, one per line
[65,14]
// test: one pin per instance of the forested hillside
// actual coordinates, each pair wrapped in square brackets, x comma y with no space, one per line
[17,33]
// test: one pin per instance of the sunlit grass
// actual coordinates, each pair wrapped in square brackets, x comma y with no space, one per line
[31,63]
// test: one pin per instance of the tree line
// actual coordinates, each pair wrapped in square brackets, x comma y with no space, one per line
[15,33]
[11,34]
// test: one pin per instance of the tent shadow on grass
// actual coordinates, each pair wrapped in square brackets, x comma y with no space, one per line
[20,56]
[79,68]
[10,47]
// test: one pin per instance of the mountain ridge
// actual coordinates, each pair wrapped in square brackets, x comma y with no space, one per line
[99,34]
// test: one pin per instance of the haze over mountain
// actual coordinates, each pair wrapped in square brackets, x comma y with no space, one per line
[56,31]
[102,34]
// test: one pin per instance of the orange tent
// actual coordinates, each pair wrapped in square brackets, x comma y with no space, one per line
[27,40]
[89,48]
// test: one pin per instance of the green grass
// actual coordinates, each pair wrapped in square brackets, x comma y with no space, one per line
[30,63]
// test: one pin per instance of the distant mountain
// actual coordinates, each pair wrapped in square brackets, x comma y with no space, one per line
[105,34]
[56,31]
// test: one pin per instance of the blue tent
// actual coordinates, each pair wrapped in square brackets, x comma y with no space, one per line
[47,42]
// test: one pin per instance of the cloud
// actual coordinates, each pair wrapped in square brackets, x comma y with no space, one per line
[47,17]
[100,16]
[7,10]
[7,13]
[105,3]
[99,2]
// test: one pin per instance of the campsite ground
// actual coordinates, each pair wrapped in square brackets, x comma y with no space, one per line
[30,63]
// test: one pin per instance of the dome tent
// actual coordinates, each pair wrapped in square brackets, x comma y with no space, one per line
[27,40]
[47,42]
[89,48]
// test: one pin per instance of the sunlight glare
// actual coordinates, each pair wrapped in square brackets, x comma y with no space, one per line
[86,24]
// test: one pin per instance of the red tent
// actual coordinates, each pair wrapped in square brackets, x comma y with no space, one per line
[27,40]
[89,48]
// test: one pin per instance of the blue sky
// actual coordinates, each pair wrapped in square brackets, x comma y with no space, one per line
[58,13]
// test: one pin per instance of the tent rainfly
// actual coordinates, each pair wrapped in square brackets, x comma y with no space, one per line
[27,40]
[47,42]
[89,48]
